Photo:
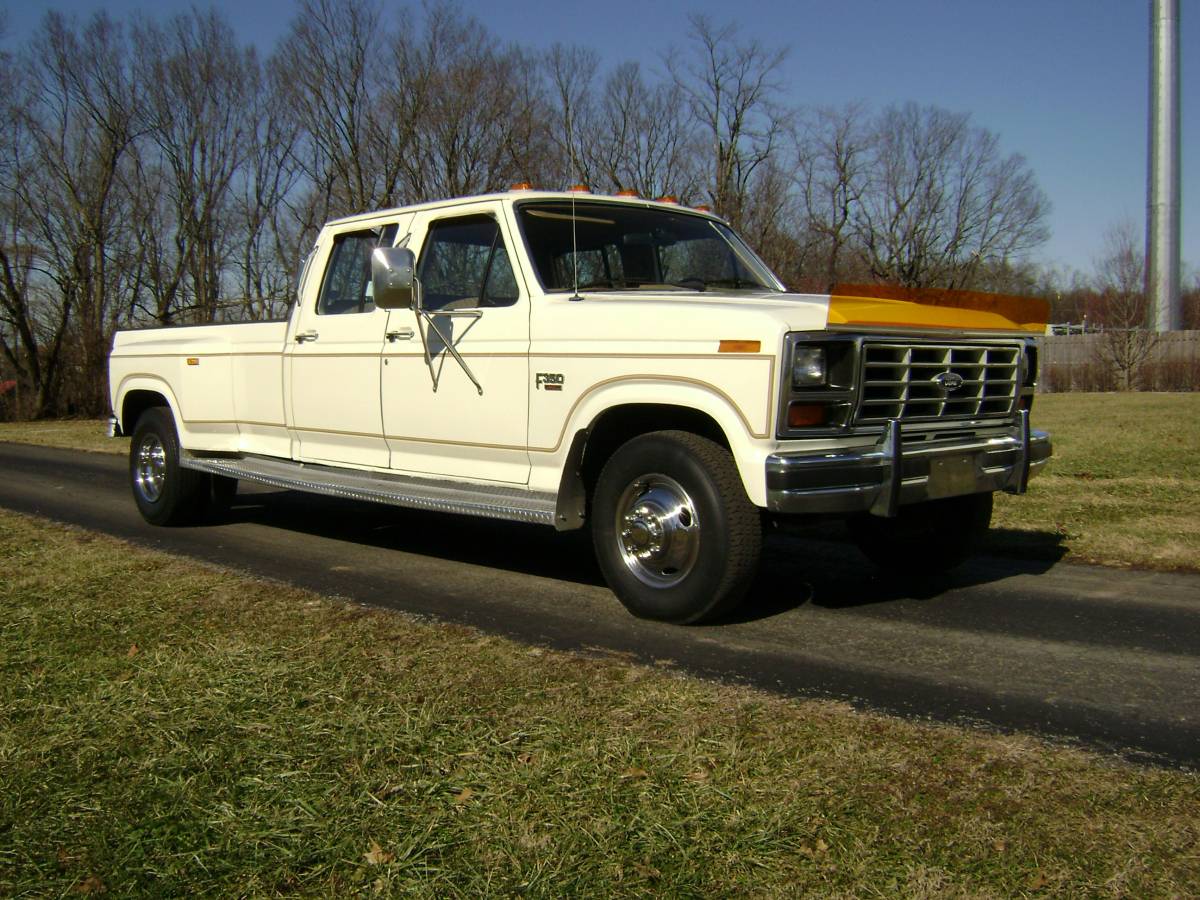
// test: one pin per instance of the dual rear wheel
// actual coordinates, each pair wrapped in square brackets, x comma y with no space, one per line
[165,492]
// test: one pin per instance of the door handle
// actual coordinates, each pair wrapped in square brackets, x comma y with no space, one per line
[306,336]
[404,334]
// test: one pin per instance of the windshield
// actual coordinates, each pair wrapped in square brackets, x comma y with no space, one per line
[618,247]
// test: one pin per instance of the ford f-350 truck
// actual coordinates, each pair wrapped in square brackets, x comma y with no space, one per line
[572,359]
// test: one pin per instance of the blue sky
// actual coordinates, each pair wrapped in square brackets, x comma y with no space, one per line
[1063,82]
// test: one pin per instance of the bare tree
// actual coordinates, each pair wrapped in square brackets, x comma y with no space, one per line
[152,184]
[832,152]
[942,202]
[18,343]
[75,131]
[270,238]
[1120,279]
[325,66]
[732,89]
[771,222]
[473,107]
[642,139]
[198,88]
[571,72]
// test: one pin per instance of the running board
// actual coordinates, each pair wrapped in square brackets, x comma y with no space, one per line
[464,498]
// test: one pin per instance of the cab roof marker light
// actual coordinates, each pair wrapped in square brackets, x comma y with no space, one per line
[668,198]
[579,189]
[521,186]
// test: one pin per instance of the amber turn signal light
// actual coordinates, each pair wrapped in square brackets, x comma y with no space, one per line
[739,346]
[806,415]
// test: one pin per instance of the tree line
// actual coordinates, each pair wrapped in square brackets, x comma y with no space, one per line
[157,172]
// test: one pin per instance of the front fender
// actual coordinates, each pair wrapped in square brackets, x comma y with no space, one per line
[746,431]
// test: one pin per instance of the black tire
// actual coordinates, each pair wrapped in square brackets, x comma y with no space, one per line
[925,538]
[165,493]
[689,540]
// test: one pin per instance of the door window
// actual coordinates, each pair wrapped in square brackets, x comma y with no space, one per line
[465,265]
[347,287]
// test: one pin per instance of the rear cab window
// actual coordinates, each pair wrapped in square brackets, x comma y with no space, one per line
[347,284]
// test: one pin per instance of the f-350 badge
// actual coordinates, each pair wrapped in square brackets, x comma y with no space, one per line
[551,381]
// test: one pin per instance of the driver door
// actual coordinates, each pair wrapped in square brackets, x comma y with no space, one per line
[463,417]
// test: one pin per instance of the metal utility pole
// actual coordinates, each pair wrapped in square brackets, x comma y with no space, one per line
[1162,202]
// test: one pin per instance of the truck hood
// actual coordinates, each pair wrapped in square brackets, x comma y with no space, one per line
[853,308]
[796,312]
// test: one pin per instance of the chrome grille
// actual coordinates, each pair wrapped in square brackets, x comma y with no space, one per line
[900,381]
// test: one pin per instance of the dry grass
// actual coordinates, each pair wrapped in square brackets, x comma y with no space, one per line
[169,729]
[1123,487]
[72,434]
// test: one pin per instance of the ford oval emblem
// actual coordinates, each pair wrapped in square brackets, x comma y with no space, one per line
[948,381]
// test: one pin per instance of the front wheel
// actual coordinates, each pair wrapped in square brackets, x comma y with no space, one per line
[676,536]
[925,538]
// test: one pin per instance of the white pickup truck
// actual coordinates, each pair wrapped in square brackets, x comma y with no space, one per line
[569,358]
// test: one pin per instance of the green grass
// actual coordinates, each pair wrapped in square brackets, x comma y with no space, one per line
[1123,487]
[1122,490]
[169,729]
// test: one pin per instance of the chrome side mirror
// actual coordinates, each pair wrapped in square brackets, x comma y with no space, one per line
[393,277]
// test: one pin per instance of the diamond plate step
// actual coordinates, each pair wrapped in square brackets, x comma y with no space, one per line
[465,498]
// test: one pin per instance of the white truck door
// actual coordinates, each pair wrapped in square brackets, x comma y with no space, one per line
[463,417]
[334,352]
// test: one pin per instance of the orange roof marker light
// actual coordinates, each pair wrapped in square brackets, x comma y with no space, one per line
[628,192]
[521,186]
[891,306]
[579,189]
[702,207]
[668,198]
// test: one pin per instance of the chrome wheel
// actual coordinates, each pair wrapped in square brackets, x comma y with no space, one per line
[657,530]
[150,468]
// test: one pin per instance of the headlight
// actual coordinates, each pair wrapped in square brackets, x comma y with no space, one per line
[808,366]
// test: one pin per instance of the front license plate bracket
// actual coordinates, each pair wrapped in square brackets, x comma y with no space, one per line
[951,475]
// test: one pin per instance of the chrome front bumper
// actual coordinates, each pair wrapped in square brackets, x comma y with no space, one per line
[889,475]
